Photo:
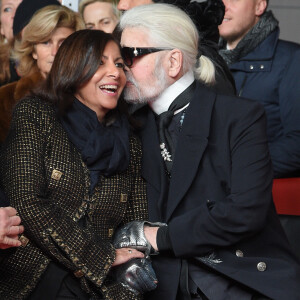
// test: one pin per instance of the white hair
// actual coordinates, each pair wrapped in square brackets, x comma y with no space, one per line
[170,27]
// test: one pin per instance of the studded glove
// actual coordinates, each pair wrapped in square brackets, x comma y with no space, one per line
[137,275]
[131,235]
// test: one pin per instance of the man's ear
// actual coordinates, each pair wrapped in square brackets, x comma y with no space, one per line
[174,63]
[261,6]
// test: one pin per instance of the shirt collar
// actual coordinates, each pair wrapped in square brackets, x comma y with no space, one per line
[163,102]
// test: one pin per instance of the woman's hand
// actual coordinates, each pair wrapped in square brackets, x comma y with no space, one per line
[10,228]
[125,254]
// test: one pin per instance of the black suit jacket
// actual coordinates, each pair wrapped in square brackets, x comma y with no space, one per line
[218,204]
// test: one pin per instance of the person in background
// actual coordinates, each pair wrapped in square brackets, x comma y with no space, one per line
[35,53]
[267,70]
[7,14]
[7,68]
[25,11]
[71,168]
[207,168]
[99,14]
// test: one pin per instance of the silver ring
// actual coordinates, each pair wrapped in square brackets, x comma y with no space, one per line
[130,251]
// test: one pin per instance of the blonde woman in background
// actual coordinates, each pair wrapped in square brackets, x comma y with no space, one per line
[35,54]
[100,14]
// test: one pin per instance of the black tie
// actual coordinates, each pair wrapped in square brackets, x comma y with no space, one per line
[166,145]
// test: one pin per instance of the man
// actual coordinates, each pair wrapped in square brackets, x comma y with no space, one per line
[267,70]
[10,228]
[207,168]
[206,15]
[99,14]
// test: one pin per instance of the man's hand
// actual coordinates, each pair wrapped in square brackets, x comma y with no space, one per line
[10,228]
[132,235]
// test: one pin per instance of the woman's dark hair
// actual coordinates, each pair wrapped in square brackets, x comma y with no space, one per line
[76,61]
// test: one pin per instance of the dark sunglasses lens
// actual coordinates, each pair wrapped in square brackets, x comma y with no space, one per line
[127,56]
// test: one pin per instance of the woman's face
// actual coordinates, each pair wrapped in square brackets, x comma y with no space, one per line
[8,10]
[102,91]
[45,52]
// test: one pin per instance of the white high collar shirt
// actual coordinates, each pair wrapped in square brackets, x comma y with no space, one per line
[163,102]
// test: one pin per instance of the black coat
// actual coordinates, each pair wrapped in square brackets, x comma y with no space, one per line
[219,199]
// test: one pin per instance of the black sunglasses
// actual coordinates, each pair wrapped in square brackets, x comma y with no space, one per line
[129,53]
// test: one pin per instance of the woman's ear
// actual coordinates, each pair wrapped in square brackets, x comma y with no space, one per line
[34,55]
[175,63]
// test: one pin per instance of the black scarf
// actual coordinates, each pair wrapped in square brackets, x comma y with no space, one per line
[104,148]
[258,33]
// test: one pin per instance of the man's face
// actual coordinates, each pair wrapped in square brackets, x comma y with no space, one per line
[127,4]
[146,78]
[240,17]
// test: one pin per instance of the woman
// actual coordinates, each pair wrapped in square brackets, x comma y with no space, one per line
[72,171]
[35,53]
[7,68]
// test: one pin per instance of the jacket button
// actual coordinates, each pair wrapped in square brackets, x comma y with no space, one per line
[251,67]
[262,67]
[56,175]
[261,266]
[78,274]
[123,198]
[239,253]
[24,240]
[110,232]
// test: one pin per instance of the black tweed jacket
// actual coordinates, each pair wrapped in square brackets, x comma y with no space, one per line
[46,180]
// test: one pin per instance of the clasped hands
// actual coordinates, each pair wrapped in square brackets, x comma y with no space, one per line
[138,238]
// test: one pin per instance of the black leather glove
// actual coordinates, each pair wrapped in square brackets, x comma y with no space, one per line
[137,275]
[132,235]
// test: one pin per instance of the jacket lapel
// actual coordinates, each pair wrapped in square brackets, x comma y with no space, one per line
[191,145]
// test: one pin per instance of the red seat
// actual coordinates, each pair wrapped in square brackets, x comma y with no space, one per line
[286,196]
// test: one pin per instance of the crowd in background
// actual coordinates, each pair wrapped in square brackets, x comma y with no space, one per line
[239,53]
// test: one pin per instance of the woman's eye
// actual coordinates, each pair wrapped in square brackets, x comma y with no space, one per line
[7,9]
[120,65]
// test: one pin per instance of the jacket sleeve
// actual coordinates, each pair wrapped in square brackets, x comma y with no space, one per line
[243,209]
[48,226]
[285,150]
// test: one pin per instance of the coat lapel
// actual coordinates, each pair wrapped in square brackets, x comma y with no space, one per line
[191,145]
